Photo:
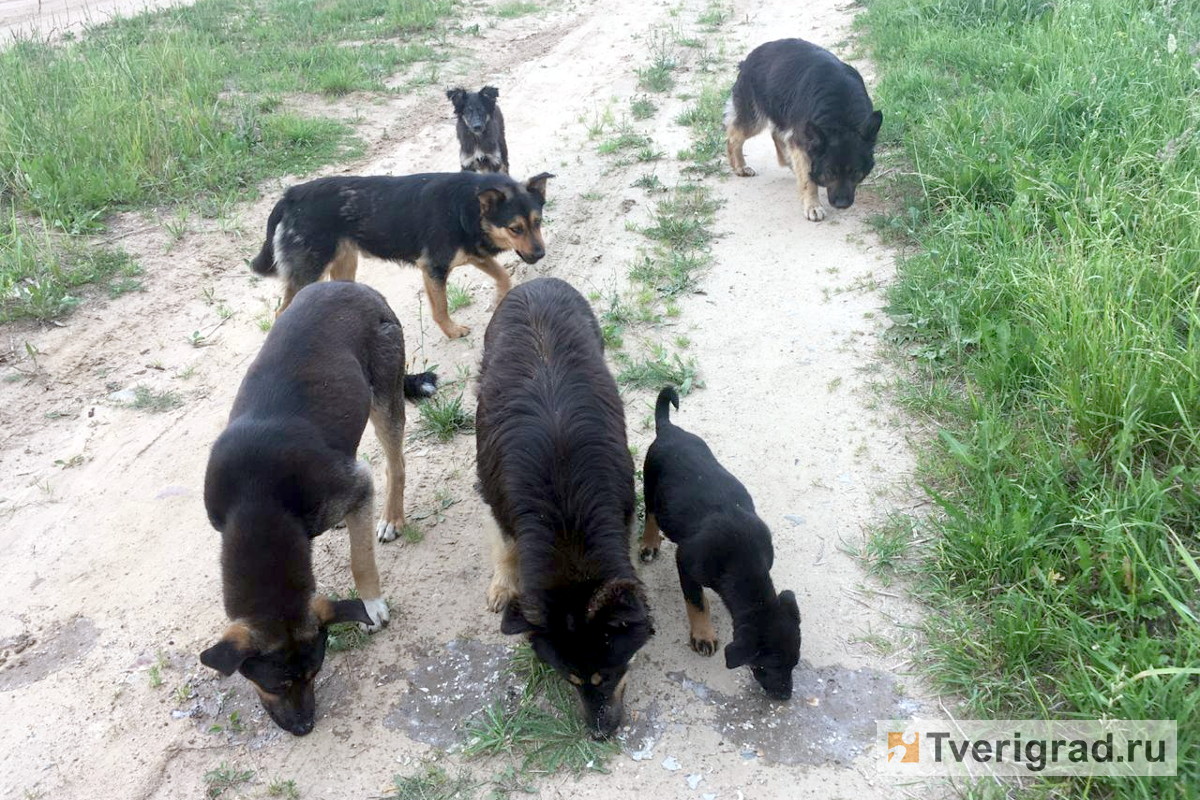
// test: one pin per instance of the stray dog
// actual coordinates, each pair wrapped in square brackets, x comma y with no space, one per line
[821,119]
[286,469]
[721,544]
[481,145]
[554,466]
[437,221]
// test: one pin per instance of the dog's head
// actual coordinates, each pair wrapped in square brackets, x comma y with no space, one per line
[283,668]
[475,109]
[511,215]
[841,157]
[771,648]
[589,640]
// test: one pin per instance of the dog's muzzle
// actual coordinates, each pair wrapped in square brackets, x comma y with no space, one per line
[532,258]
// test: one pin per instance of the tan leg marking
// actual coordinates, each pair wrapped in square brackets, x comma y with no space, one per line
[491,267]
[289,292]
[735,137]
[651,539]
[390,432]
[363,567]
[440,309]
[345,262]
[781,148]
[506,578]
[703,634]
[808,188]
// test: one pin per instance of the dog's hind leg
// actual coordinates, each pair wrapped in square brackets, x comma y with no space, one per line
[651,539]
[345,262]
[362,558]
[780,149]
[703,636]
[506,579]
[807,186]
[436,289]
[388,419]
[740,125]
[491,267]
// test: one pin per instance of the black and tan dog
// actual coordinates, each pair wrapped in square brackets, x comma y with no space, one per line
[435,220]
[555,468]
[820,115]
[480,127]
[286,469]
[721,544]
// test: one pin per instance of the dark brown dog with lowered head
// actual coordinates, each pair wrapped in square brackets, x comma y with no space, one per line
[555,467]
[286,469]
[437,221]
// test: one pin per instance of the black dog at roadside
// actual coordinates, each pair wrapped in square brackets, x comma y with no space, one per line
[721,544]
[554,466]
[481,145]
[821,119]
[286,469]
[436,220]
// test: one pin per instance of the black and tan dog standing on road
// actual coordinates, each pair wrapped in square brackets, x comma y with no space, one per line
[437,221]
[820,116]
[286,469]
[720,543]
[554,466]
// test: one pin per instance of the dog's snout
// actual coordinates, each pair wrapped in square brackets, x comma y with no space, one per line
[302,728]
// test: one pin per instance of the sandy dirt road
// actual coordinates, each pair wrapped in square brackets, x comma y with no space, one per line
[110,568]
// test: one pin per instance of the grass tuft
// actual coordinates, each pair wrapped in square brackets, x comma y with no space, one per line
[443,416]
[224,778]
[432,783]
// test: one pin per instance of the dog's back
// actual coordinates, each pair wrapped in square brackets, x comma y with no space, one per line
[792,81]
[551,426]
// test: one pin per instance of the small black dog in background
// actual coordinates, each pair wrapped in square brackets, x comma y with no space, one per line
[480,130]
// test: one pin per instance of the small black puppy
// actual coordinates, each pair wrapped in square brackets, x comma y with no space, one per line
[722,544]
[821,119]
[481,142]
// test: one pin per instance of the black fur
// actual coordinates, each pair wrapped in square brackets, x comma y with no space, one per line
[480,127]
[554,466]
[722,545]
[815,102]
[436,220]
[286,469]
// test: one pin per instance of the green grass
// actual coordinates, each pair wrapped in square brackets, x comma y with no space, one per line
[224,778]
[624,139]
[642,107]
[705,117]
[1050,309]
[432,782]
[657,369]
[541,727]
[345,636]
[514,8]
[41,271]
[659,75]
[147,399]
[443,416]
[286,789]
[457,298]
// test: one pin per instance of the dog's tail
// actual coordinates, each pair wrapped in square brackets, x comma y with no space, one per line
[264,262]
[662,412]
[423,384]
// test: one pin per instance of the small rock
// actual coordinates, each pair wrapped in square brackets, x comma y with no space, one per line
[123,396]
[671,764]
[795,519]
[694,780]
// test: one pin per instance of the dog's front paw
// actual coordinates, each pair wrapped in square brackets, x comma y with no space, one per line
[387,531]
[744,172]
[499,595]
[814,213]
[377,610]
[648,554]
[457,331]
[705,647]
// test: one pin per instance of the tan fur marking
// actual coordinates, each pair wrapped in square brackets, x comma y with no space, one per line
[651,536]
[597,679]
[345,262]
[575,679]
[780,149]
[321,607]
[289,292]
[362,553]
[439,307]
[506,577]
[491,267]
[735,138]
[528,242]
[391,437]
[807,187]
[703,634]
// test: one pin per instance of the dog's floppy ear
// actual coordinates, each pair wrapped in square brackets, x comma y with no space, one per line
[870,128]
[537,185]
[489,93]
[330,612]
[619,603]
[512,621]
[228,654]
[788,600]
[457,96]
[814,137]
[492,197]
[739,652]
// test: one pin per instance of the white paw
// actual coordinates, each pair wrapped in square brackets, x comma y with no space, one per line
[377,610]
[386,531]
[814,213]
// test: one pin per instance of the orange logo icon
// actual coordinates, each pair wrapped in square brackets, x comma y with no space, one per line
[903,747]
